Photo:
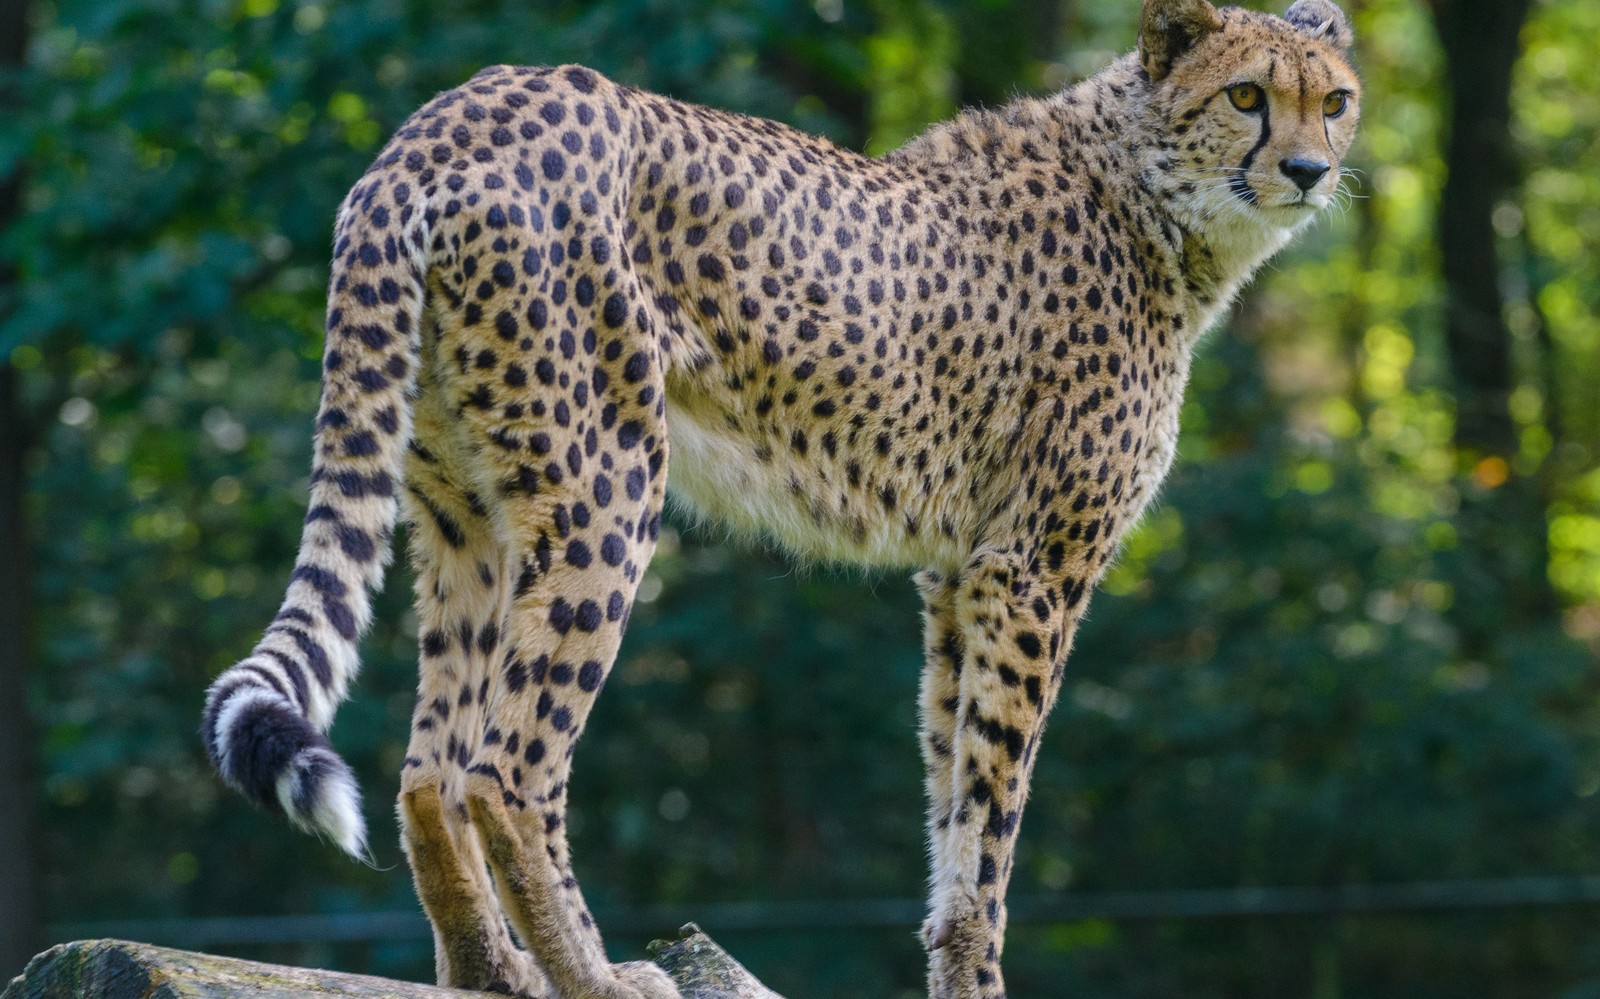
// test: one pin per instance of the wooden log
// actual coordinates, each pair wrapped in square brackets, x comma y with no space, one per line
[119,969]
[701,969]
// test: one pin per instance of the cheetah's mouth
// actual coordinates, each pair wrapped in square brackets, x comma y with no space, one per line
[1242,190]
[1311,201]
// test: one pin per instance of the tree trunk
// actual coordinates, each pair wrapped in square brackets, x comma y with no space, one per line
[1499,569]
[20,933]
[19,916]
[1481,44]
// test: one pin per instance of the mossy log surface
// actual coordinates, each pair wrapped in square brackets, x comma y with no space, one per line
[118,969]
[702,970]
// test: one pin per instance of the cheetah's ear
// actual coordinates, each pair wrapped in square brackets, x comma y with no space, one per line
[1169,28]
[1321,19]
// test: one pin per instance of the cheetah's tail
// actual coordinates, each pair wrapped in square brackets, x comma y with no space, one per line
[265,717]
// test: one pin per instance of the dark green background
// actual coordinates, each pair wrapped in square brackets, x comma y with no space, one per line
[1354,644]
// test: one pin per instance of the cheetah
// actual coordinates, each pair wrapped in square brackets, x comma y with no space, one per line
[965,358]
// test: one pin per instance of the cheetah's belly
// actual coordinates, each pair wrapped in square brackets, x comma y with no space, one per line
[716,473]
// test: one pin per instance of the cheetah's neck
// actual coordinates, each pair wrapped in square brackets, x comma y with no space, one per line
[1105,127]
[1217,254]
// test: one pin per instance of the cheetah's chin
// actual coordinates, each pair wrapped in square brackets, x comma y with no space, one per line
[1290,214]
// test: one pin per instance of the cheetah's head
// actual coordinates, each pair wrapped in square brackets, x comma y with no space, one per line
[1254,112]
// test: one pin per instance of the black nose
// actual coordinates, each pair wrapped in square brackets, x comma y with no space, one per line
[1305,173]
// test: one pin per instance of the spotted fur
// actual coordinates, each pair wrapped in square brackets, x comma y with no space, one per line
[967,356]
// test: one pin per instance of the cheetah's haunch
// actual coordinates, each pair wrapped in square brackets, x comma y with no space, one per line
[967,356]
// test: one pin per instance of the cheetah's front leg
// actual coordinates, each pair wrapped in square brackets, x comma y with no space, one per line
[939,698]
[997,638]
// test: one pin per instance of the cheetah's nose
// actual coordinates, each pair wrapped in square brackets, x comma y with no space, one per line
[1305,173]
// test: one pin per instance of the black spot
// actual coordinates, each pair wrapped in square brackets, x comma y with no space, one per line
[615,311]
[533,752]
[435,642]
[578,555]
[588,616]
[637,368]
[488,638]
[361,445]
[582,79]
[355,542]
[516,675]
[553,163]
[371,380]
[590,676]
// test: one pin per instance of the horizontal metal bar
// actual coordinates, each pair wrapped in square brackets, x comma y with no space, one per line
[1187,903]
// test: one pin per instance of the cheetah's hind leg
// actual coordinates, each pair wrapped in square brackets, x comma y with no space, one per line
[461,604]
[472,948]
[579,527]
[537,895]
[562,637]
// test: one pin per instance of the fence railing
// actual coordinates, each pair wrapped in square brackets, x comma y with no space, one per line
[1067,907]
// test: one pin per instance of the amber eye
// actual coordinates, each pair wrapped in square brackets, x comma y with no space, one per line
[1247,97]
[1334,104]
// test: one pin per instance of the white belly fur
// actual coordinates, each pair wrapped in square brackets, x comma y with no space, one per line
[716,476]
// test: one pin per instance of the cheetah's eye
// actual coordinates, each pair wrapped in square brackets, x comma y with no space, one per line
[1334,104]
[1247,97]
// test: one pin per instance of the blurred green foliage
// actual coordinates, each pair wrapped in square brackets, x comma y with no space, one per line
[1270,691]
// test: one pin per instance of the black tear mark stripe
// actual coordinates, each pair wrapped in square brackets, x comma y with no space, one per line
[1240,185]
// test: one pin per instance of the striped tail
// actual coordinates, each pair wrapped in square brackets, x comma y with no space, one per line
[265,717]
